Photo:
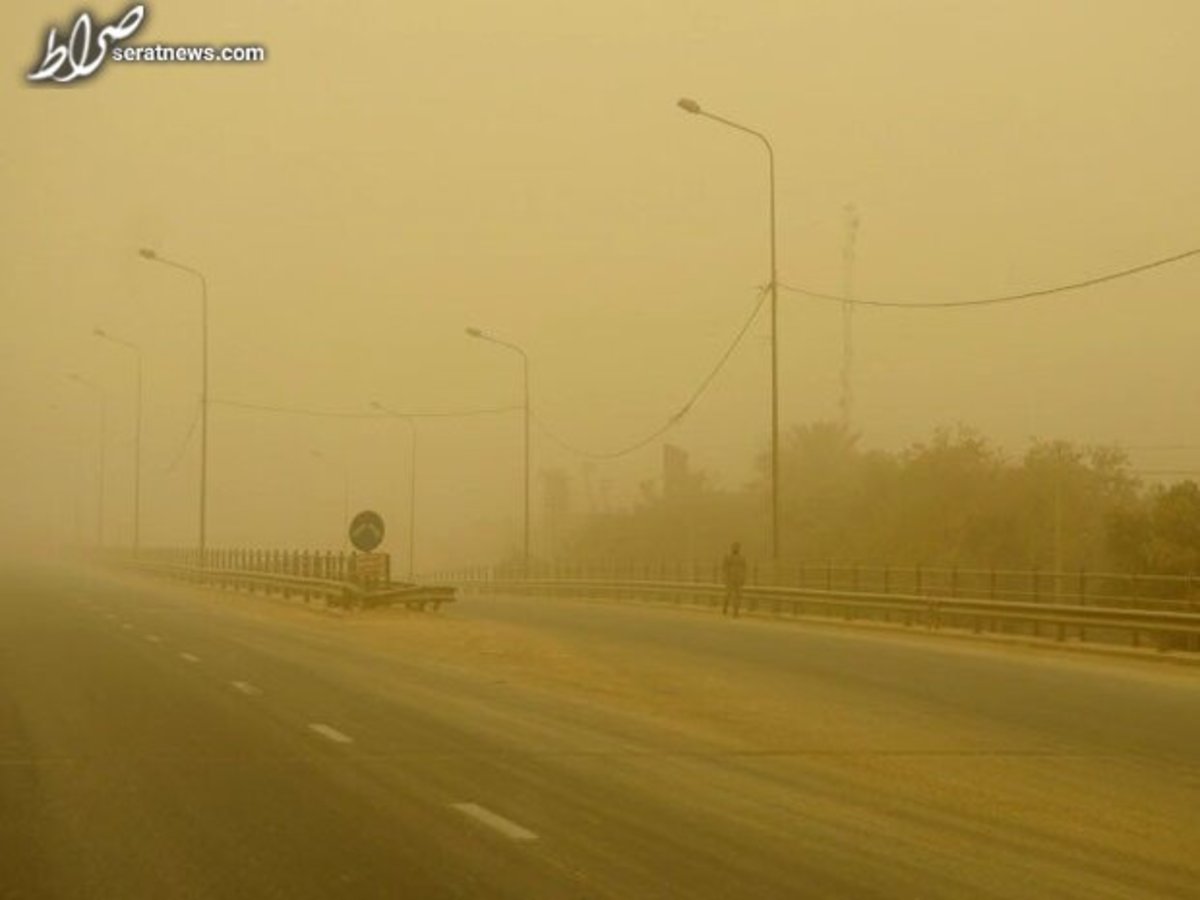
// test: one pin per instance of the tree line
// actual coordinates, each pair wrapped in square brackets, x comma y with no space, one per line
[953,500]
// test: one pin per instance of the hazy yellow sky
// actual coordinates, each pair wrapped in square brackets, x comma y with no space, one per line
[397,171]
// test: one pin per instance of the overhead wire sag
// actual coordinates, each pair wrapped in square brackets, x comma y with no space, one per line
[186,441]
[1004,298]
[683,410]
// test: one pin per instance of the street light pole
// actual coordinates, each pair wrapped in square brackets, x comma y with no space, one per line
[103,441]
[137,437]
[477,333]
[691,106]
[412,484]
[151,255]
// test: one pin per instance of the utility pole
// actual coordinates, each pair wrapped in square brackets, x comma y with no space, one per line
[148,254]
[482,336]
[847,400]
[1058,557]
[412,483]
[692,107]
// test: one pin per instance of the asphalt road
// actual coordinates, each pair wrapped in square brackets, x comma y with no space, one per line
[160,742]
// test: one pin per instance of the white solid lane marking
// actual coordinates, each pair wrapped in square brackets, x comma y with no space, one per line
[246,688]
[189,657]
[332,733]
[154,638]
[506,827]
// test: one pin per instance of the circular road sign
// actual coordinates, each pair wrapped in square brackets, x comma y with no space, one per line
[366,530]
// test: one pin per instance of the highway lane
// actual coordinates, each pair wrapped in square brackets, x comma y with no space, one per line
[648,753]
[128,774]
[1095,703]
[521,750]
[366,813]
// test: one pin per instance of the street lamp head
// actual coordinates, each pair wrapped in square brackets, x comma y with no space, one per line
[99,332]
[475,332]
[147,253]
[688,105]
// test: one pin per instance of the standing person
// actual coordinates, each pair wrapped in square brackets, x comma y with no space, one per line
[733,570]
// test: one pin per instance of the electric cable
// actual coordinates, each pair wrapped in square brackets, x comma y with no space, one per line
[1004,298]
[683,410]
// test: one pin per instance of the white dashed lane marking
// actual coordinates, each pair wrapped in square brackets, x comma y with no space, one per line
[154,638]
[127,626]
[246,688]
[331,733]
[189,657]
[506,827]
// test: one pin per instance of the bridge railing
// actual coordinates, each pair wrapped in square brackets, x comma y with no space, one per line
[1081,587]
[1163,611]
[340,579]
[325,564]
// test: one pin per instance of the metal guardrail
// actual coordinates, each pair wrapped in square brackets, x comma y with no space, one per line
[1124,590]
[1167,630]
[335,592]
[339,566]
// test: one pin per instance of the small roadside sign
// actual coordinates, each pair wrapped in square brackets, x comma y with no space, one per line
[370,567]
[366,530]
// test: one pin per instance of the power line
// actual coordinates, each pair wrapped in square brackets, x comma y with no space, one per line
[636,445]
[591,454]
[186,440]
[353,414]
[683,410]
[1005,298]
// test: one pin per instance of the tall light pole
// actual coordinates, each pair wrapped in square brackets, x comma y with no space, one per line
[691,106]
[137,436]
[149,254]
[99,391]
[476,333]
[412,483]
[317,454]
[847,403]
[1059,464]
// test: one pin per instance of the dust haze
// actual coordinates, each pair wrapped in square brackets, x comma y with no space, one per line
[815,522]
[396,173]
